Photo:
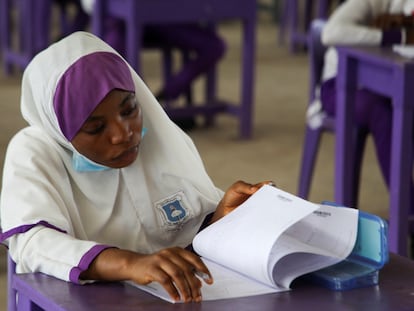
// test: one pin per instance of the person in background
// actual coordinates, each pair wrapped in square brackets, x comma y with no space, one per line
[86,196]
[76,19]
[375,23]
[204,45]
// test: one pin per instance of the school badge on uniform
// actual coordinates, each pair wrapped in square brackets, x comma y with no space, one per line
[173,211]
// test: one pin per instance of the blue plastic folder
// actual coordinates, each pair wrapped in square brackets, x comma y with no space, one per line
[361,268]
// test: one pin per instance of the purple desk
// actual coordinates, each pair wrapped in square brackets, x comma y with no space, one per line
[138,13]
[384,72]
[395,292]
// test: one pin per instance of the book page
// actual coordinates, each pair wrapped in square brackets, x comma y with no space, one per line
[324,237]
[230,284]
[243,240]
[227,284]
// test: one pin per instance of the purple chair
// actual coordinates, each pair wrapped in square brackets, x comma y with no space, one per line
[313,135]
[32,29]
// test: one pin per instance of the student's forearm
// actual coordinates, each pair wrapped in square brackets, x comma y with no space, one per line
[174,268]
[112,264]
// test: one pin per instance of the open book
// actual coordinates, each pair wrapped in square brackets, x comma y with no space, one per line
[267,242]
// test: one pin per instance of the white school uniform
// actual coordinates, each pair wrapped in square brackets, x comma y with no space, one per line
[56,220]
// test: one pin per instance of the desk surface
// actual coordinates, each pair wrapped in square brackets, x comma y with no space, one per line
[395,292]
[380,67]
[374,53]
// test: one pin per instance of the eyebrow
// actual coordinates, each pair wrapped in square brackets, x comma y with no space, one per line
[125,100]
[122,103]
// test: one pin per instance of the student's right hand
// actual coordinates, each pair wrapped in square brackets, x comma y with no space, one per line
[174,268]
[238,192]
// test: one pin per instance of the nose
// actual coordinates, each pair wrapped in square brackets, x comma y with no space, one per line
[120,132]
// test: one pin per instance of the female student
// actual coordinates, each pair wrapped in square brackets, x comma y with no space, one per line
[367,22]
[102,185]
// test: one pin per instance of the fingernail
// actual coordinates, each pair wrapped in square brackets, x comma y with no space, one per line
[202,275]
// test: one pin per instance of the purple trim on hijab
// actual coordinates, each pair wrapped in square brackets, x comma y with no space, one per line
[85,261]
[84,85]
[25,228]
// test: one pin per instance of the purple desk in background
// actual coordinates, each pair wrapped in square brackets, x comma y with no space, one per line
[137,13]
[385,72]
[395,292]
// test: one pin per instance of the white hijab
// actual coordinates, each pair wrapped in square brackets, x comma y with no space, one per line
[168,162]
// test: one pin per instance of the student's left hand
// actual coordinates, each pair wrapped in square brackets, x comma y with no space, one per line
[392,21]
[239,192]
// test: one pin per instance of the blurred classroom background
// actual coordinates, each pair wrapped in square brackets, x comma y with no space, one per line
[280,100]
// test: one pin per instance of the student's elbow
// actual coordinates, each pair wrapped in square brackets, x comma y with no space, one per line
[330,35]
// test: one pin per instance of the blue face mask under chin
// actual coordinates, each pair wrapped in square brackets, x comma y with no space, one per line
[81,163]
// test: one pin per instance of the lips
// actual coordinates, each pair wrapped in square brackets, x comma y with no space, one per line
[129,153]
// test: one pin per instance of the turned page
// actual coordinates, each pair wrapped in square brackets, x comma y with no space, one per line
[323,238]
[243,240]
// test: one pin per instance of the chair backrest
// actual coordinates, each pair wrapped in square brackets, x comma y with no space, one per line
[316,62]
[319,122]
[316,55]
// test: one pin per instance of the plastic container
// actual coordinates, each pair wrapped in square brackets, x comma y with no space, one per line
[361,267]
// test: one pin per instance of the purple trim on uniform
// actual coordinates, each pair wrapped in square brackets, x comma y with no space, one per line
[85,261]
[390,37]
[84,85]
[25,228]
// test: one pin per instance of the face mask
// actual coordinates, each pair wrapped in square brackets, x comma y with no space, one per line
[81,163]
